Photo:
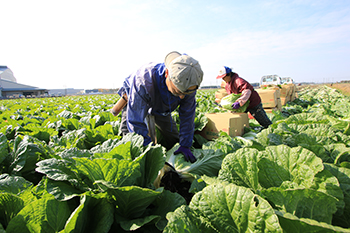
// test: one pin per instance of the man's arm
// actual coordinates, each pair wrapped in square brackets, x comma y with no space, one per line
[187,114]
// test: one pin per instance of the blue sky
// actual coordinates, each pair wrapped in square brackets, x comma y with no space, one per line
[96,44]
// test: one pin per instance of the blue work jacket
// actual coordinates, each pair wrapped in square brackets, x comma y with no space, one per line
[148,94]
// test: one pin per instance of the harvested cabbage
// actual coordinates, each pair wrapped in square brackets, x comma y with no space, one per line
[227,101]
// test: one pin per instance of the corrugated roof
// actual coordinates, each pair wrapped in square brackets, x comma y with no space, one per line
[22,89]
[2,68]
[9,85]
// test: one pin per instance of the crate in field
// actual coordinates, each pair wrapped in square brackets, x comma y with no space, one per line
[269,97]
[231,123]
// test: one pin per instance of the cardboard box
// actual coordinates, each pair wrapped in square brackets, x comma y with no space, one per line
[279,104]
[269,110]
[223,84]
[269,97]
[277,107]
[231,123]
[285,90]
[284,100]
[293,92]
[219,94]
[274,88]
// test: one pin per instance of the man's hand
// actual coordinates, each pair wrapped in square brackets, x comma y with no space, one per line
[187,154]
[236,105]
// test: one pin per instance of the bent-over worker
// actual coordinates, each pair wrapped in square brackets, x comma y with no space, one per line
[153,92]
[236,84]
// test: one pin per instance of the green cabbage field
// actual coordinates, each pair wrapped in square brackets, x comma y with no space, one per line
[66,168]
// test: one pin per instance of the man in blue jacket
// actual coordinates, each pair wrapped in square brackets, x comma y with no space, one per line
[154,91]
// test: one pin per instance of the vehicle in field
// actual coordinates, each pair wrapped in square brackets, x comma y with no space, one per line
[270,80]
[287,80]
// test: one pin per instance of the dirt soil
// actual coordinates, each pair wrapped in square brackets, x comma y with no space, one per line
[343,88]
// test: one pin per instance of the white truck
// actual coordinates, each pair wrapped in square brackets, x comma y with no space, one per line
[287,80]
[270,80]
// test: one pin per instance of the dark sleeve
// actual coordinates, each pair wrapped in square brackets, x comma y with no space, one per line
[187,113]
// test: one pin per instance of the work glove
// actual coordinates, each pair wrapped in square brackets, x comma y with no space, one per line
[235,105]
[189,157]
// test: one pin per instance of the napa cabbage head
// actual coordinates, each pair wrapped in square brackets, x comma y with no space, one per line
[208,163]
[227,101]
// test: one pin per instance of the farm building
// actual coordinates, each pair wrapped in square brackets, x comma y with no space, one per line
[9,88]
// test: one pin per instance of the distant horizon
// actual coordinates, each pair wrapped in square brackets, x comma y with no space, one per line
[199,87]
[325,81]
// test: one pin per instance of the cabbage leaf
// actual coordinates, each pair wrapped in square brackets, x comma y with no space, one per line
[227,101]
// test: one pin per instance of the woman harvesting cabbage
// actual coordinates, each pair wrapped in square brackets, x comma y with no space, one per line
[237,85]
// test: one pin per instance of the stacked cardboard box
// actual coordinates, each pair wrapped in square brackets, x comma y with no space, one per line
[285,94]
[231,123]
[219,94]
[293,94]
[223,84]
[288,93]
[270,98]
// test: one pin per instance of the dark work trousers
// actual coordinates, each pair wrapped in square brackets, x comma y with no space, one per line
[165,124]
[260,115]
